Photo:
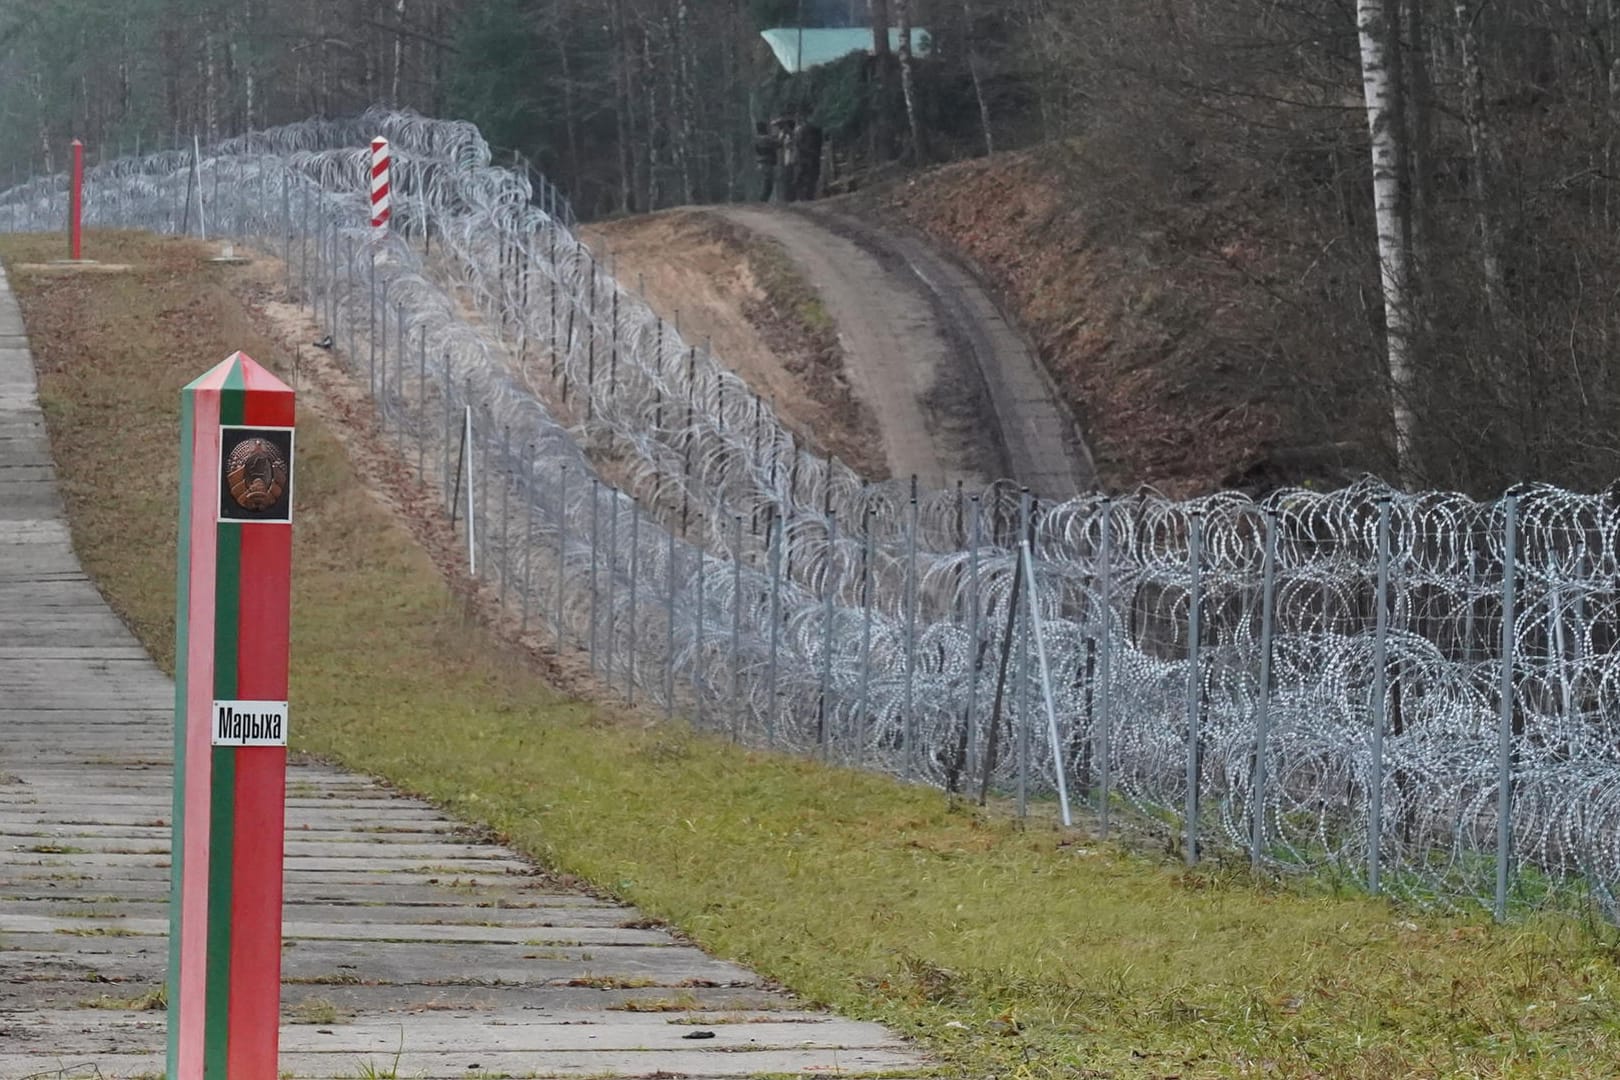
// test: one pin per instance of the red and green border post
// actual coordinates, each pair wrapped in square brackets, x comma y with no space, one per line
[233,614]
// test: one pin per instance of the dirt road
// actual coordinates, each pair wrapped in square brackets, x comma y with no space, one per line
[956,391]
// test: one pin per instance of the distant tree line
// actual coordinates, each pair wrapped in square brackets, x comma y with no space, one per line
[1425,190]
[630,104]
[120,72]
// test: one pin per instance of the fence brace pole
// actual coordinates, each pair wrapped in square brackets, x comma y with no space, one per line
[1504,741]
[1195,540]
[1046,683]
[1262,720]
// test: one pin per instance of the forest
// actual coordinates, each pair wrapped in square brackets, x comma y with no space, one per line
[1425,190]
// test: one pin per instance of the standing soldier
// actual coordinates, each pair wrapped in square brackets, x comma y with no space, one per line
[767,148]
[789,157]
[807,154]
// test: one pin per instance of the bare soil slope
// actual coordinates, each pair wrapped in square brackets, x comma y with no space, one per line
[1174,341]
[900,360]
[742,295]
[875,345]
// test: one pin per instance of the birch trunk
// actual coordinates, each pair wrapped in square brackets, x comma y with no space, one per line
[680,79]
[973,70]
[1420,146]
[908,86]
[210,89]
[399,51]
[1484,165]
[36,85]
[249,64]
[650,89]
[1612,55]
[730,126]
[1380,89]
[570,111]
[623,116]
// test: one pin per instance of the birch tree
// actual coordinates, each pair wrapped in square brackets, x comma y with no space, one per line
[1485,161]
[908,80]
[1380,83]
[970,43]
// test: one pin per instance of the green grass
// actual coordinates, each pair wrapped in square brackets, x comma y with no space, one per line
[1010,951]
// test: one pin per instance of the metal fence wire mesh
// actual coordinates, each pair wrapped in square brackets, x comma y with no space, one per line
[1417,691]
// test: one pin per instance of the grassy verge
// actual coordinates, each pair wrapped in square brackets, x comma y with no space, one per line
[1010,951]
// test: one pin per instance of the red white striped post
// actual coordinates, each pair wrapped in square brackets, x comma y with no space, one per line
[229,825]
[381,163]
[76,204]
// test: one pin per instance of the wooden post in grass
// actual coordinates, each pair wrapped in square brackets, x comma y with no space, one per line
[235,564]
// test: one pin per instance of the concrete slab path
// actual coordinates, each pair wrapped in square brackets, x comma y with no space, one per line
[413,948]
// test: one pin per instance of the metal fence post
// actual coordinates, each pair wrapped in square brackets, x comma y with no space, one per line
[910,730]
[1105,686]
[371,312]
[863,718]
[701,559]
[528,534]
[379,344]
[349,275]
[483,487]
[333,265]
[635,576]
[1375,781]
[1021,700]
[400,356]
[596,526]
[669,636]
[830,587]
[1194,685]
[612,586]
[736,627]
[1262,720]
[286,229]
[506,510]
[323,253]
[975,609]
[776,627]
[554,278]
[422,408]
[1504,733]
[449,424]
[303,247]
[562,551]
[1468,612]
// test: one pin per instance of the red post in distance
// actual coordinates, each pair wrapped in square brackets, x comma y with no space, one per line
[76,204]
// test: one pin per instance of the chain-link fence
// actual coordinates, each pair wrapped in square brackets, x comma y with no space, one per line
[1418,691]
